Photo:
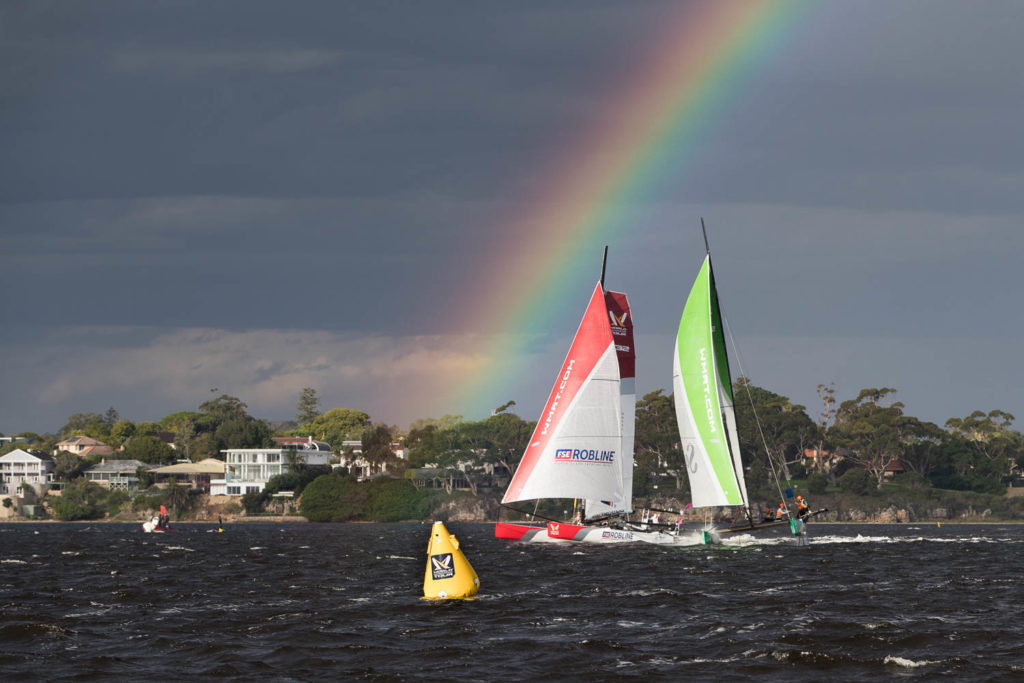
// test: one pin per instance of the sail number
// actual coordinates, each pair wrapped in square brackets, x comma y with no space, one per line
[691,460]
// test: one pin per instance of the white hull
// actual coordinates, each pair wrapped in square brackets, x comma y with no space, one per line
[556,532]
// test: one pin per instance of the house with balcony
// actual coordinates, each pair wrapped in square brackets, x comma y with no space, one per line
[196,475]
[116,474]
[30,468]
[83,446]
[249,469]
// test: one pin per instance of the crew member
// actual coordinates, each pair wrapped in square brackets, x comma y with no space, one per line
[801,507]
[768,516]
[781,513]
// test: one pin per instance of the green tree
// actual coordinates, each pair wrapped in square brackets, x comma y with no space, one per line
[253,502]
[377,446]
[90,424]
[330,498]
[147,429]
[67,466]
[242,433]
[335,426]
[394,500]
[80,499]
[308,408]
[827,394]
[872,432]
[657,440]
[149,449]
[225,407]
[764,417]
[177,497]
[121,432]
[991,438]
[817,483]
[500,440]
[856,481]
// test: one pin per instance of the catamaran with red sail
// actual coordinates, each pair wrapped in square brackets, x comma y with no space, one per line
[582,447]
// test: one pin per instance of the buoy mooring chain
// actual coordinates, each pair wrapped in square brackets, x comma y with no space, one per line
[449,575]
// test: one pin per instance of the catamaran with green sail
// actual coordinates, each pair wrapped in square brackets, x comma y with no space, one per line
[705,412]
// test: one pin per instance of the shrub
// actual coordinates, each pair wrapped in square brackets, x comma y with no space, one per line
[331,498]
[253,502]
[392,500]
[817,483]
[856,481]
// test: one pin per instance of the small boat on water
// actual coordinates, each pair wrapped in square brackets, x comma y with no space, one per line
[158,524]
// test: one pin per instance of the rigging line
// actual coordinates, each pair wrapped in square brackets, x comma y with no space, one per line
[753,410]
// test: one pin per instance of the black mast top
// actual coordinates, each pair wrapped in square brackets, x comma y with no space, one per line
[704,230]
[604,263]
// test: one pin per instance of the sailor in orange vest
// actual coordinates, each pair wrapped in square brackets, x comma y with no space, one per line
[782,513]
[768,516]
[801,507]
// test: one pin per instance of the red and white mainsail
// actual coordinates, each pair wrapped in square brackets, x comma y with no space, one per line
[621,320]
[576,450]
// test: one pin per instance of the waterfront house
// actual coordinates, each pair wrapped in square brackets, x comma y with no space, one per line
[116,474]
[197,475]
[21,467]
[359,467]
[249,469]
[83,446]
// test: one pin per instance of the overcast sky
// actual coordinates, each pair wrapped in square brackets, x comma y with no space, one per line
[255,197]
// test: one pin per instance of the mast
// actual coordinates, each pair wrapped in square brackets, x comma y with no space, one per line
[604,264]
[718,324]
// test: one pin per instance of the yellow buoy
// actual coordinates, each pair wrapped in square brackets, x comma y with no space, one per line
[449,574]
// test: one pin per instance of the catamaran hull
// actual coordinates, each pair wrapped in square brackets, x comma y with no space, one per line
[557,532]
[525,533]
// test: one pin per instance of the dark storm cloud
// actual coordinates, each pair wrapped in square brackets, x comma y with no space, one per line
[339,99]
[271,195]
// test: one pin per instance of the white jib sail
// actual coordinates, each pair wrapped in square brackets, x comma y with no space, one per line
[576,448]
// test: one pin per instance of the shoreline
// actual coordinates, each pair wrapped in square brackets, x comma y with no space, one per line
[302,520]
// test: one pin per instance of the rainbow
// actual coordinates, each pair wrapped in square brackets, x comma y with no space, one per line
[706,53]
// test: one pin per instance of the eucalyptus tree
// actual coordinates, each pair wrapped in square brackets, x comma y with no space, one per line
[377,446]
[878,435]
[656,442]
[766,419]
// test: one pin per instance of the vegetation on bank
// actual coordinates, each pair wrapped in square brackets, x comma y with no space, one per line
[858,457]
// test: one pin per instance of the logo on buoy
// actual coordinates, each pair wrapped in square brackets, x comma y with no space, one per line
[441,566]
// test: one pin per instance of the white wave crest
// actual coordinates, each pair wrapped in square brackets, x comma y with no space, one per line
[907,663]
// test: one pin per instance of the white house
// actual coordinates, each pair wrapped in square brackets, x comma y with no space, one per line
[360,467]
[249,469]
[29,467]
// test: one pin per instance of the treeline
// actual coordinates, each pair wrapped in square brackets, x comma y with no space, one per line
[853,446]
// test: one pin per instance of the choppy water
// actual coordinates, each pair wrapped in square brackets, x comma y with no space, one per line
[307,601]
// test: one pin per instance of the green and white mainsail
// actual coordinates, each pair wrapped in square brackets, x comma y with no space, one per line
[703,398]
